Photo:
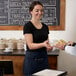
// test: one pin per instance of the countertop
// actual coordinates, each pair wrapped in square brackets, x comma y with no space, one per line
[23,53]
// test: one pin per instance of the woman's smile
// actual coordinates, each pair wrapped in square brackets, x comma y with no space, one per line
[37,12]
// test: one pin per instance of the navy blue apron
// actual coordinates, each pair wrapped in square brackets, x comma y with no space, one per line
[34,62]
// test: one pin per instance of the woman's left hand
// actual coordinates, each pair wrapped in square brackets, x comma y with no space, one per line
[49,48]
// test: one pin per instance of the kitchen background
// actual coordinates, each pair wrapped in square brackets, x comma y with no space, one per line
[69,34]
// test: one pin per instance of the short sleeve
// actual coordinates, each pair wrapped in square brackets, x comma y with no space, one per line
[27,29]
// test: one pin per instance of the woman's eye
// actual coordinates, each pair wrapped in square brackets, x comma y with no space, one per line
[39,10]
[36,11]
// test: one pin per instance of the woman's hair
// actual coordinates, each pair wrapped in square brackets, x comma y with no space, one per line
[33,4]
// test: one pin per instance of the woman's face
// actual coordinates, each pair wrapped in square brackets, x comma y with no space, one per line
[37,12]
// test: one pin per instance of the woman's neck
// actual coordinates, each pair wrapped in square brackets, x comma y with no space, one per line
[35,21]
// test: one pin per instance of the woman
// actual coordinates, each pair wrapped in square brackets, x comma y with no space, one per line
[36,37]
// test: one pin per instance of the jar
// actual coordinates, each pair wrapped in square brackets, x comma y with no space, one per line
[10,44]
[2,44]
[20,44]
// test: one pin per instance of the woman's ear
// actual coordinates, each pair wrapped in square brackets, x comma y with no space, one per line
[31,12]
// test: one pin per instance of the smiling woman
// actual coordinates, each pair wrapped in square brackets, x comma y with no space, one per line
[37,12]
[36,38]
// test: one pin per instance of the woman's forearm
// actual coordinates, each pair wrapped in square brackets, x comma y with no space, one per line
[36,45]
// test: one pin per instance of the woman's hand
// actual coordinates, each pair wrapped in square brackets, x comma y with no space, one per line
[47,45]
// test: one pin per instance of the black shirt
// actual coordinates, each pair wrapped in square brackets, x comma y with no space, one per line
[39,35]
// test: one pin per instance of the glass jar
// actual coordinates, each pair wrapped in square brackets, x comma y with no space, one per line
[10,44]
[20,44]
[2,44]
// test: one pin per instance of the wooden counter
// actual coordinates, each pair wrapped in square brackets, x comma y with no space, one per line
[18,57]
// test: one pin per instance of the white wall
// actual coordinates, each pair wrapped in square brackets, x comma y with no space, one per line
[70,23]
[67,34]
[67,62]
